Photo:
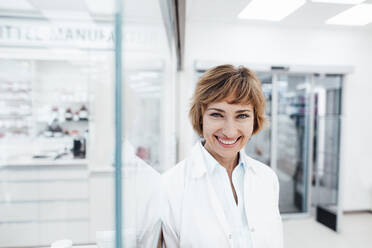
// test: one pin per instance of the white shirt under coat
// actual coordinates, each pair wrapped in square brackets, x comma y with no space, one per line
[234,212]
[194,216]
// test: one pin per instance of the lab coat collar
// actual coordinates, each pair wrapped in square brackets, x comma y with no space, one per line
[250,163]
[198,169]
[212,164]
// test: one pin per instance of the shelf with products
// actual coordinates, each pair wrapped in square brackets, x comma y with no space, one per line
[61,99]
[61,121]
[61,106]
[44,104]
[15,98]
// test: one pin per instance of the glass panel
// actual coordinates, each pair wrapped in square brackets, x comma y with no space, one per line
[148,119]
[329,126]
[293,128]
[55,128]
[327,95]
[259,146]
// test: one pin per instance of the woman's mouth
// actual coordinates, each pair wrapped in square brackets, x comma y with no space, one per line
[227,143]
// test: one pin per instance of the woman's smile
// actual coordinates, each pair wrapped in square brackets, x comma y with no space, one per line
[227,143]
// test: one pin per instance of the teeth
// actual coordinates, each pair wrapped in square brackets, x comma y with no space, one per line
[227,142]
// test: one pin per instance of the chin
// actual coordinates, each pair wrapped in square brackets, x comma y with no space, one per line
[227,154]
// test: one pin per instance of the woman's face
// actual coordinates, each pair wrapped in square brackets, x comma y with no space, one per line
[227,128]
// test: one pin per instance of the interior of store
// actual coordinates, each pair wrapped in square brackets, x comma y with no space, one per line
[94,101]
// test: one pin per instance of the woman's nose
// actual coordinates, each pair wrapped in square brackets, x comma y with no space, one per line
[230,129]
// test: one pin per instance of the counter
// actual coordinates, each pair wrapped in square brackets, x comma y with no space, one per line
[26,162]
[43,200]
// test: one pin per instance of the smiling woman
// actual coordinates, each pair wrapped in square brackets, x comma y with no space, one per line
[218,196]
[224,82]
[227,128]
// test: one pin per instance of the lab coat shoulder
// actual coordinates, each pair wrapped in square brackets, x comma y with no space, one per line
[265,194]
[260,167]
[265,174]
[176,179]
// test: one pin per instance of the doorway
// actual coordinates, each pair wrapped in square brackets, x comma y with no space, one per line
[302,141]
[284,142]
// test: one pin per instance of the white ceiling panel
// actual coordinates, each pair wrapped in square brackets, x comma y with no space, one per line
[205,10]
[314,14]
[101,6]
[16,5]
[338,1]
[310,15]
[360,14]
[59,5]
[145,9]
[138,10]
[278,10]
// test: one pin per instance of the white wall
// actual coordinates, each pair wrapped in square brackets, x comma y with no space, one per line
[289,45]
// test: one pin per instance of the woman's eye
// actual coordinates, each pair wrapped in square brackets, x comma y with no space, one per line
[243,116]
[216,115]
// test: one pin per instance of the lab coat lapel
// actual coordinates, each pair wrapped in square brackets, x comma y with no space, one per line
[199,170]
[249,195]
[218,209]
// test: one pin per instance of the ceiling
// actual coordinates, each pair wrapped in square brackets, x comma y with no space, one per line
[310,15]
[136,9]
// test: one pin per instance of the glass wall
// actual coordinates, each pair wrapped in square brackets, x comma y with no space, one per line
[259,146]
[327,125]
[297,144]
[148,131]
[283,143]
[56,122]
[293,113]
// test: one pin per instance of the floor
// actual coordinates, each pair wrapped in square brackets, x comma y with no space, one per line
[307,233]
[355,232]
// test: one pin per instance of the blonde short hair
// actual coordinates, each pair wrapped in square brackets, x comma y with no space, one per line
[227,82]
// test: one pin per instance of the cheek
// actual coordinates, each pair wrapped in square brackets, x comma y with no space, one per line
[206,127]
[248,129]
[209,127]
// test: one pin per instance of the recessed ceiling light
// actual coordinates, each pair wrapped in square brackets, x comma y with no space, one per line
[270,10]
[358,15]
[339,1]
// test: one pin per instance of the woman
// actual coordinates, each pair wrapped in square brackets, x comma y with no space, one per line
[218,196]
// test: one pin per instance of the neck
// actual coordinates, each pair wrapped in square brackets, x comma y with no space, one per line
[228,163]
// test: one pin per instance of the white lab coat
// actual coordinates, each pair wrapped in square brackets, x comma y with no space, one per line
[193,215]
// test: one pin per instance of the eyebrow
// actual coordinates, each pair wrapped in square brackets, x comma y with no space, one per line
[222,111]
